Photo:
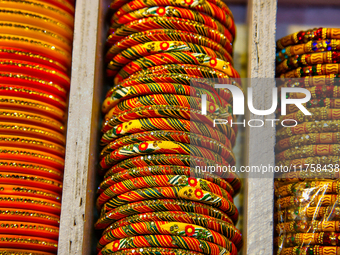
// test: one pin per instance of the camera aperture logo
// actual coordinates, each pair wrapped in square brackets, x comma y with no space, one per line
[238,105]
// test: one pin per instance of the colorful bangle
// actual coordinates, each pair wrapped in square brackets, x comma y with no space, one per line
[31,44]
[315,200]
[162,147]
[29,229]
[14,251]
[187,193]
[319,69]
[154,124]
[312,250]
[323,126]
[303,163]
[13,91]
[34,83]
[178,160]
[309,47]
[28,243]
[32,131]
[155,47]
[164,35]
[114,96]
[305,175]
[323,238]
[309,151]
[63,4]
[321,113]
[172,58]
[14,214]
[29,203]
[30,181]
[14,116]
[308,226]
[30,168]
[308,35]
[311,187]
[312,59]
[163,99]
[161,170]
[222,37]
[159,205]
[34,156]
[153,251]
[307,213]
[32,106]
[167,135]
[315,103]
[166,228]
[160,181]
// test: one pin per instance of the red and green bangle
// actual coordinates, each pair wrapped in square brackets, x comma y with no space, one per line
[168,135]
[179,160]
[222,37]
[160,181]
[312,59]
[187,193]
[161,59]
[159,205]
[162,147]
[215,9]
[166,99]
[28,243]
[222,227]
[173,11]
[323,238]
[114,96]
[165,124]
[312,250]
[153,251]
[168,241]
[308,35]
[161,170]
[167,228]
[165,35]
[150,48]
[308,226]
[317,200]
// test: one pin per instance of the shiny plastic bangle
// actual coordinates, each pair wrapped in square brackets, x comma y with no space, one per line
[164,35]
[63,4]
[308,226]
[323,238]
[166,228]
[159,205]
[165,241]
[315,200]
[14,251]
[161,170]
[32,106]
[307,213]
[160,181]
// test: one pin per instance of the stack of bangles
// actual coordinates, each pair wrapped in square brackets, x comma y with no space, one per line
[307,196]
[162,57]
[35,58]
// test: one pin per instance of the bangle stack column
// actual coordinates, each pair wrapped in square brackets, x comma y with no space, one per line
[307,215]
[151,201]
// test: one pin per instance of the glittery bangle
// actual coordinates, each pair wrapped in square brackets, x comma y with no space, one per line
[32,131]
[13,91]
[163,99]
[168,135]
[30,181]
[186,193]
[318,114]
[172,58]
[14,251]
[14,116]
[29,203]
[308,226]
[32,106]
[161,147]
[159,205]
[161,170]
[306,175]
[225,228]
[165,35]
[140,125]
[165,241]
[153,251]
[30,168]
[167,228]
[221,36]
[319,69]
[309,151]
[316,200]
[309,47]
[34,83]
[179,160]
[312,250]
[315,103]
[309,127]
[160,181]
[31,44]
[29,229]
[116,95]
[63,4]
[303,163]
[323,238]
[28,243]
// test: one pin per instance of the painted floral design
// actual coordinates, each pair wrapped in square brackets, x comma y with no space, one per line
[189,230]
